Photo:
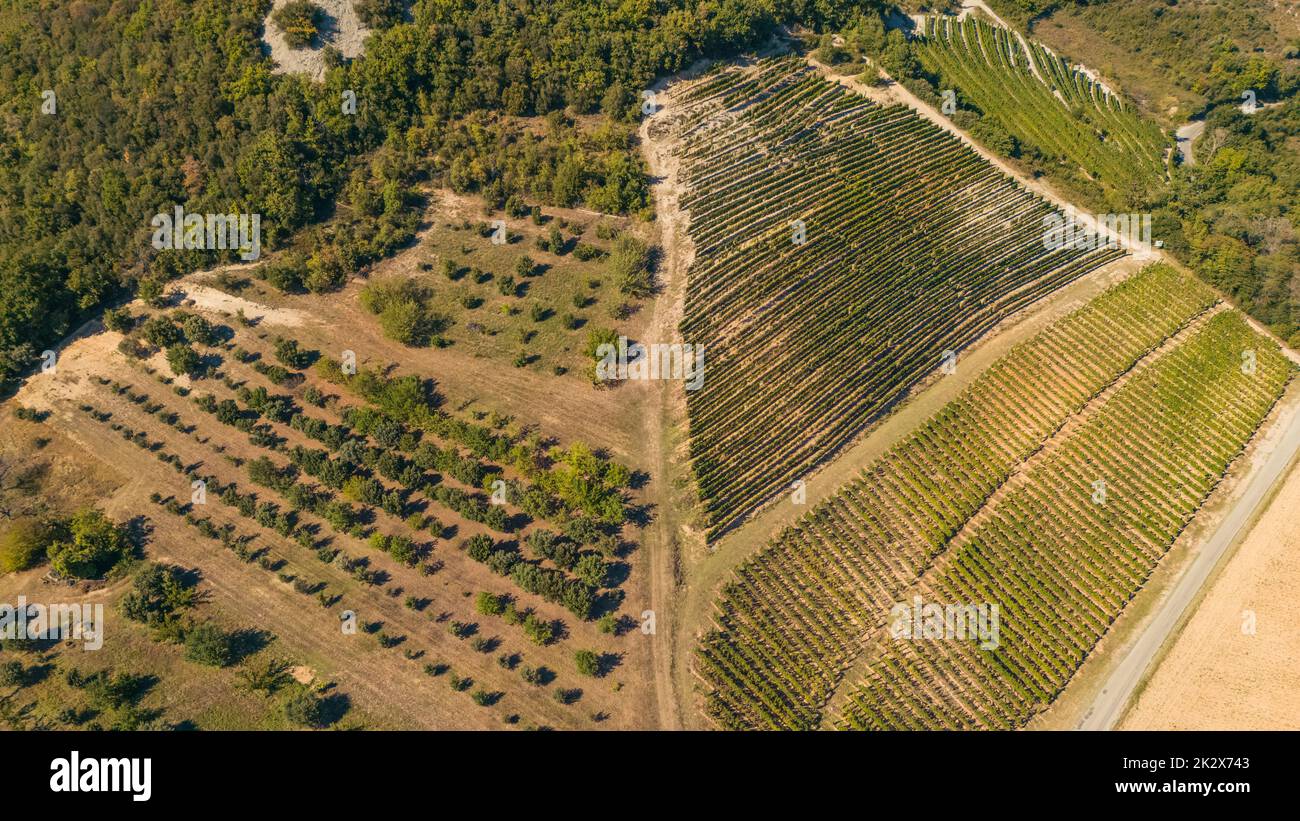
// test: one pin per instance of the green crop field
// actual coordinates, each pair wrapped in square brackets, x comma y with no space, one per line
[1049,105]
[796,617]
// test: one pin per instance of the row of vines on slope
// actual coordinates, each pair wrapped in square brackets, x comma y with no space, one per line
[881,244]
[1061,562]
[794,617]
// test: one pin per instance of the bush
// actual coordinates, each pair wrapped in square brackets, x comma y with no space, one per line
[23,545]
[210,645]
[300,21]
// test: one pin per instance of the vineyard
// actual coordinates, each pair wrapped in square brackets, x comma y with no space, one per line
[1047,104]
[842,250]
[1060,563]
[796,617]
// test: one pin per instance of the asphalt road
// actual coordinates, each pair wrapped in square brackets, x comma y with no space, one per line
[1109,705]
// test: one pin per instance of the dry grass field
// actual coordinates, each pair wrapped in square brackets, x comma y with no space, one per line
[104,439]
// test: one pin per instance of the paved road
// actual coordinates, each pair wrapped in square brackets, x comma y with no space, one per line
[1109,705]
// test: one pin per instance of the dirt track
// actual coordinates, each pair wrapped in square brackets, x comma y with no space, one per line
[1218,675]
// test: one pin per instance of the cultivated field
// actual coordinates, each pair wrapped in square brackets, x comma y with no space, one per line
[478,552]
[925,519]
[843,253]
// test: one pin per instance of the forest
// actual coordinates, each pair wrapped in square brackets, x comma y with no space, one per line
[116,110]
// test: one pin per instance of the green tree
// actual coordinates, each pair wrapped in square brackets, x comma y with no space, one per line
[95,545]
[24,543]
[208,644]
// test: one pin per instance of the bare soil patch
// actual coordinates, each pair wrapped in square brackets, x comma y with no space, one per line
[343,30]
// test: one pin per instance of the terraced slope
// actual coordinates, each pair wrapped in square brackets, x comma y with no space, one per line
[842,249]
[1049,106]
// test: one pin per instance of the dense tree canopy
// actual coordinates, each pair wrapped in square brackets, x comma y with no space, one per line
[155,103]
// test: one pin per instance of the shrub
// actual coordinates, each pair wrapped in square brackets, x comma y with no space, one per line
[23,545]
[300,21]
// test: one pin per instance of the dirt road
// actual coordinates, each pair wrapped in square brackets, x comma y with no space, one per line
[1235,664]
[1185,137]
